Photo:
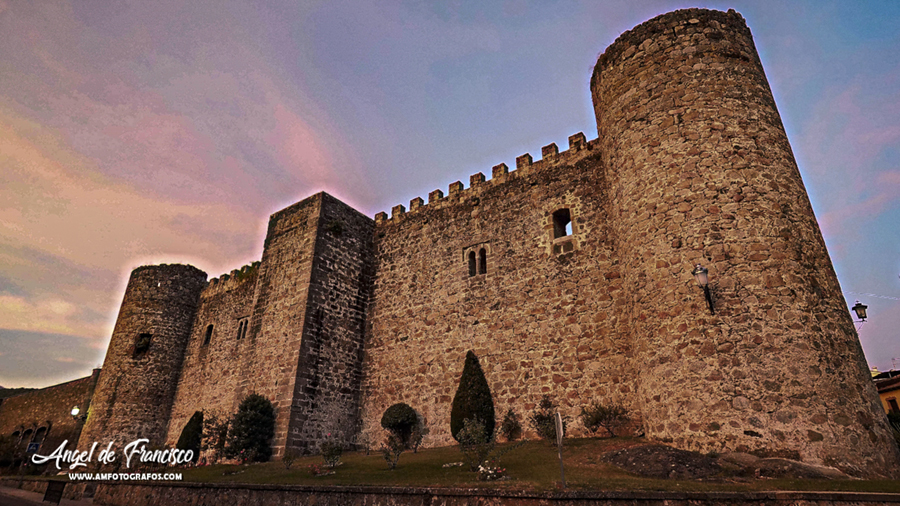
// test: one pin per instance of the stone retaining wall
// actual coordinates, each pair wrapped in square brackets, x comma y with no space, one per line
[197,494]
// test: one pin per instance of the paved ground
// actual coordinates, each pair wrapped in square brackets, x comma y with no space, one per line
[17,497]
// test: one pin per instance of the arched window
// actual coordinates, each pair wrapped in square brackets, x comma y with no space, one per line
[208,337]
[39,435]
[482,261]
[26,438]
[472,271]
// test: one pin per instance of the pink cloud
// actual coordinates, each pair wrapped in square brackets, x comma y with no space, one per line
[298,148]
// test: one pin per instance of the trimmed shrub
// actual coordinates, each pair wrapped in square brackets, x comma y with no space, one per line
[192,435]
[472,400]
[252,430]
[510,428]
[543,419]
[400,420]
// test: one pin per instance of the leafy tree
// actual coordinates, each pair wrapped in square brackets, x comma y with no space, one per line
[543,419]
[472,400]
[400,420]
[510,428]
[192,435]
[599,415]
[252,429]
[475,445]
[215,435]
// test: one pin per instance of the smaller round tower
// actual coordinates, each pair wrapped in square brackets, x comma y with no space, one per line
[134,394]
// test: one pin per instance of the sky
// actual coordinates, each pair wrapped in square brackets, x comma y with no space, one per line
[137,132]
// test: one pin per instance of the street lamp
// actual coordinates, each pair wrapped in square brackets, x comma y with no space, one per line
[701,274]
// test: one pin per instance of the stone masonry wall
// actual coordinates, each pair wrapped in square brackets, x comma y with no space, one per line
[135,392]
[701,172]
[48,408]
[326,393]
[214,375]
[540,320]
[279,310]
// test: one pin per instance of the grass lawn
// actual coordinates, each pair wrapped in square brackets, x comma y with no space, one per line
[532,466]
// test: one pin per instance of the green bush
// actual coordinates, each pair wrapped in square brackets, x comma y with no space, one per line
[543,419]
[192,435]
[599,415]
[331,452]
[510,428]
[472,400]
[252,430]
[400,420]
[391,450]
[289,457]
[417,436]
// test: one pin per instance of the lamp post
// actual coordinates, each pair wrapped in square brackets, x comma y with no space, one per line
[701,274]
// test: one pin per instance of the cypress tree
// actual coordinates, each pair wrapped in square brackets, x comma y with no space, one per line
[473,399]
[192,435]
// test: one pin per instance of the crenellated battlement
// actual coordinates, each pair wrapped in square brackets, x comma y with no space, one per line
[500,174]
[232,280]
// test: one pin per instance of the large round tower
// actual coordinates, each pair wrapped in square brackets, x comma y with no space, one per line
[701,171]
[137,384]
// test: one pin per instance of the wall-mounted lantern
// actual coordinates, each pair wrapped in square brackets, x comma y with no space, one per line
[860,310]
[76,414]
[701,274]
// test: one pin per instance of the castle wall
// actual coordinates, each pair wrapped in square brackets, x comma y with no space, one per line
[134,394]
[214,376]
[49,408]
[701,172]
[541,319]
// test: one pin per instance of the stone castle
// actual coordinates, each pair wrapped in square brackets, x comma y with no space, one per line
[568,276]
